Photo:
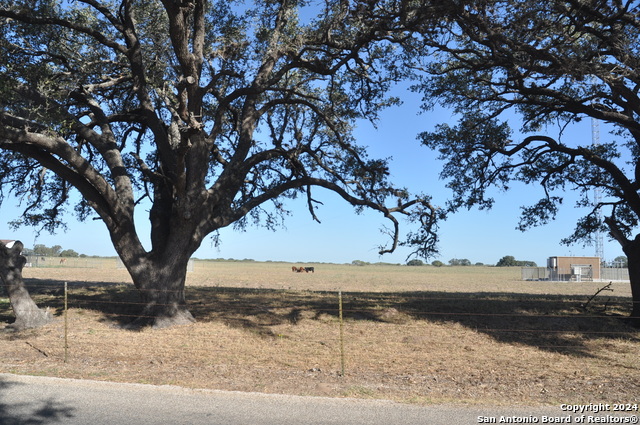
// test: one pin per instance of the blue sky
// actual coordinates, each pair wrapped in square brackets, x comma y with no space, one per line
[344,236]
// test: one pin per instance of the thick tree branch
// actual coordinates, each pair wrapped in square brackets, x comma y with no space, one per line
[29,18]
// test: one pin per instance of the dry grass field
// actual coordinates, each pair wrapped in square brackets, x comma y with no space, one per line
[412,334]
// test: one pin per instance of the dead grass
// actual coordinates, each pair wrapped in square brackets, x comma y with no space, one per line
[412,334]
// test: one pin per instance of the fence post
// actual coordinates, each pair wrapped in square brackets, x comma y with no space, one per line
[341,334]
[66,325]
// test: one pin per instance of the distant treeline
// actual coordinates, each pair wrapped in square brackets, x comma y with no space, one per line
[510,261]
[51,251]
[57,251]
[506,261]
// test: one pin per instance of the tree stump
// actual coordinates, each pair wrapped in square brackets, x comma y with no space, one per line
[27,313]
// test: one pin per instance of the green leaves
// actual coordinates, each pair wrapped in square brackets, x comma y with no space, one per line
[472,152]
[207,110]
[541,67]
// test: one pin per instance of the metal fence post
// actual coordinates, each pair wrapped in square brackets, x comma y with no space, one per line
[341,334]
[66,325]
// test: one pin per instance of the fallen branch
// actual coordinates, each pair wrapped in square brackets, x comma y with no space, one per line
[585,306]
[36,348]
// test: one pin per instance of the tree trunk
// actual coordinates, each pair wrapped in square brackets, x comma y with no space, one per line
[161,283]
[632,250]
[28,315]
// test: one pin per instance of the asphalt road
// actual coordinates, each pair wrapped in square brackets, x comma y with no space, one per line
[29,400]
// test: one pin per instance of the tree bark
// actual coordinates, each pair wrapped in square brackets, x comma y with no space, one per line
[27,313]
[632,250]
[161,284]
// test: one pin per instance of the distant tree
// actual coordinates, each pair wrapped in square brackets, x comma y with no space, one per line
[555,63]
[507,261]
[206,114]
[510,261]
[621,261]
[437,263]
[359,263]
[459,262]
[69,253]
[40,249]
[415,262]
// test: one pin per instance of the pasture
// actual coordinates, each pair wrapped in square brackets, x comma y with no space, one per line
[412,334]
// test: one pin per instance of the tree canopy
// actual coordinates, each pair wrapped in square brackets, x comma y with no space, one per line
[208,114]
[547,65]
[213,114]
[40,249]
[620,261]
[550,63]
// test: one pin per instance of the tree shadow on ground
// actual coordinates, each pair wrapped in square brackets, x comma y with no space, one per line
[30,411]
[549,322]
[116,300]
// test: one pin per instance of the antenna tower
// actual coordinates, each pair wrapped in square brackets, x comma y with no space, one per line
[597,195]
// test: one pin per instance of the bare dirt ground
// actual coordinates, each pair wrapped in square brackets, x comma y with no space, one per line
[412,334]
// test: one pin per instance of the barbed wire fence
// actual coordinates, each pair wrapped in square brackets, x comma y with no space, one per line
[533,320]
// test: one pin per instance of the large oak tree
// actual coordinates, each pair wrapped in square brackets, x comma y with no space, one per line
[213,113]
[549,64]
